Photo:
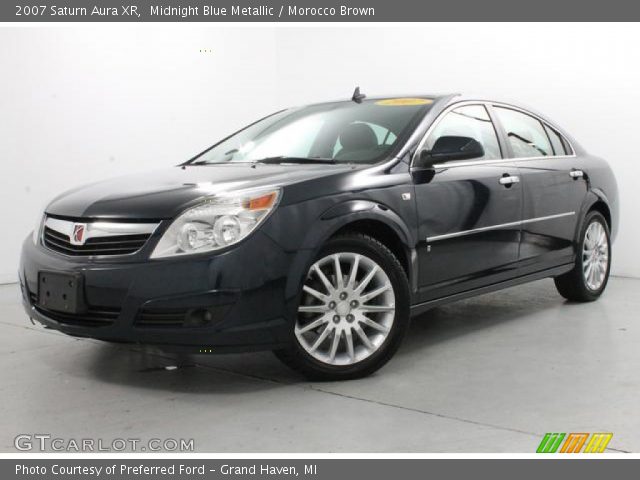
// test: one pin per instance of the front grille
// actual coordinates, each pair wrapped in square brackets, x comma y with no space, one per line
[112,245]
[93,317]
[180,317]
[151,317]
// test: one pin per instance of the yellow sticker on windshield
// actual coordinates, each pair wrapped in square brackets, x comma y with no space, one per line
[404,101]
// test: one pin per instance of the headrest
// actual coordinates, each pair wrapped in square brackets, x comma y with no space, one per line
[358,136]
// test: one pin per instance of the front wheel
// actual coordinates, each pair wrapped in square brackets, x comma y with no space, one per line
[353,311]
[589,277]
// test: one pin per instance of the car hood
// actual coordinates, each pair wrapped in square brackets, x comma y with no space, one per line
[164,193]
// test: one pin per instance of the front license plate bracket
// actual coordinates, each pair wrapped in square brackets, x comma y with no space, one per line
[61,292]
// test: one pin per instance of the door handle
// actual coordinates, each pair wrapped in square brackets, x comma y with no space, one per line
[576,174]
[509,180]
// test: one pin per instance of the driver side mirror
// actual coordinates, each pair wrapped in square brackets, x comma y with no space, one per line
[450,148]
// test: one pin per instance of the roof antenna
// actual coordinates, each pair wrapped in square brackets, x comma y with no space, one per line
[357,96]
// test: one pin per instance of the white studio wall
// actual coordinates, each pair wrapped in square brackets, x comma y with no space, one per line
[84,103]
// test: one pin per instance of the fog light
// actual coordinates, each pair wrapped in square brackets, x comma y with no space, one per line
[198,318]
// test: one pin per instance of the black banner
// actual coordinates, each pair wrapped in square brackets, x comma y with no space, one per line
[315,11]
[324,469]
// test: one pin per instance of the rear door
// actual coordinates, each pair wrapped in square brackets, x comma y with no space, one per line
[469,211]
[553,187]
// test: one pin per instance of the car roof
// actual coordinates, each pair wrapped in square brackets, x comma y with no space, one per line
[448,98]
[442,100]
[368,98]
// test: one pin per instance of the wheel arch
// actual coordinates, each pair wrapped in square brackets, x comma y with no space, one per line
[371,218]
[595,201]
[603,208]
[385,234]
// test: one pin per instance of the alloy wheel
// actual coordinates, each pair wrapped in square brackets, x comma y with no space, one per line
[595,256]
[347,309]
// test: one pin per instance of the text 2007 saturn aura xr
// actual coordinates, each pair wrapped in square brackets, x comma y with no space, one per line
[317,232]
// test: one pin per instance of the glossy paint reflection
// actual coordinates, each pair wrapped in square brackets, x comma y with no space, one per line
[460,199]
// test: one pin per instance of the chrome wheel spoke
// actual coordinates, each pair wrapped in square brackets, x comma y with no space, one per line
[313,309]
[375,293]
[377,308]
[352,323]
[366,280]
[350,350]
[321,338]
[334,345]
[313,292]
[354,271]
[315,324]
[338,271]
[592,275]
[363,336]
[370,323]
[323,278]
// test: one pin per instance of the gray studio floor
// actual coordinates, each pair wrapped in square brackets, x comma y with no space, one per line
[490,374]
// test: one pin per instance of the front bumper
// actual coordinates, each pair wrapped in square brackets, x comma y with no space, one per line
[230,301]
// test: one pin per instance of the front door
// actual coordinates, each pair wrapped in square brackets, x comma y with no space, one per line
[469,212]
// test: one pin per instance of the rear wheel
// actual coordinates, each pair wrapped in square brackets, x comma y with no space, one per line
[353,311]
[590,275]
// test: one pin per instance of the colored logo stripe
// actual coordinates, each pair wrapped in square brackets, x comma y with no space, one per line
[574,442]
[550,443]
[598,442]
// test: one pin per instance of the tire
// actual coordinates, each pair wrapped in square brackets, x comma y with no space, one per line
[335,321]
[577,285]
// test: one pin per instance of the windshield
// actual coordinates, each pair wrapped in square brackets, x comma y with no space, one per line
[340,132]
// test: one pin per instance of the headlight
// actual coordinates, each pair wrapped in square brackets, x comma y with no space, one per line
[220,221]
[37,229]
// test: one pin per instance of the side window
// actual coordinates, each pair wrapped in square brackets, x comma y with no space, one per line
[556,141]
[468,121]
[525,133]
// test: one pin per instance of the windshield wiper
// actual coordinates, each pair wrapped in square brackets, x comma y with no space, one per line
[269,160]
[284,159]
